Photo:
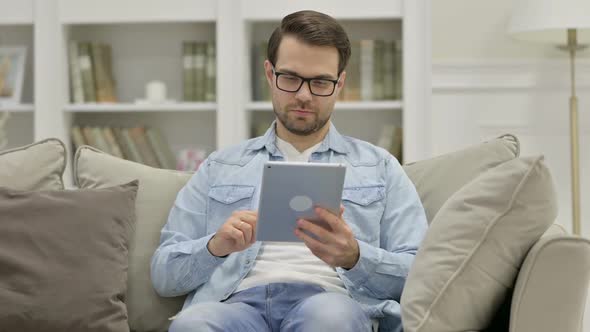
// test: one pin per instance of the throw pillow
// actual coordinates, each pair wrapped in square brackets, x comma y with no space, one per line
[63,257]
[438,178]
[35,166]
[471,254]
[95,169]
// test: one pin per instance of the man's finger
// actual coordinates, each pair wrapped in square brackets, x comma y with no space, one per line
[316,247]
[250,219]
[238,236]
[332,220]
[246,230]
[320,232]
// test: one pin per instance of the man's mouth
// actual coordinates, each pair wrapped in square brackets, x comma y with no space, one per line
[302,112]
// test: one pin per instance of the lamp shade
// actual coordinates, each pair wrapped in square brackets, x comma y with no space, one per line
[548,20]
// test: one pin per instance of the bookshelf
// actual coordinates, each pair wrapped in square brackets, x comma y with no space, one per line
[146,38]
[16,29]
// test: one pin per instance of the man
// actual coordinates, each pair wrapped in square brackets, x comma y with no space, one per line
[353,273]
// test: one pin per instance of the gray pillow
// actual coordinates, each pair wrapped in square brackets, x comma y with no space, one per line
[63,257]
[475,245]
[95,169]
[438,178]
[35,166]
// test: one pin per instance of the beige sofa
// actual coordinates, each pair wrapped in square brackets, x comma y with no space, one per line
[547,293]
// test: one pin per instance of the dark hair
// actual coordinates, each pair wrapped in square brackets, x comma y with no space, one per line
[313,28]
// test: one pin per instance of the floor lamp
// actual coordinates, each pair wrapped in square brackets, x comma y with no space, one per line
[566,24]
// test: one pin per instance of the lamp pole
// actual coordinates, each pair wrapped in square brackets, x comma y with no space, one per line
[572,47]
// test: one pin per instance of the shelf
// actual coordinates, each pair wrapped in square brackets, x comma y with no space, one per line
[136,11]
[271,10]
[168,107]
[18,108]
[16,12]
[381,105]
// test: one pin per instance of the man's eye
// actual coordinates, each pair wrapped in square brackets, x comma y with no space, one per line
[290,78]
[320,83]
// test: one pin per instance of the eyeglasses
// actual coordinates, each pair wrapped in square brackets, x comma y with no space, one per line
[322,87]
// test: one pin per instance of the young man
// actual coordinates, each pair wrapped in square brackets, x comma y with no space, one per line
[353,273]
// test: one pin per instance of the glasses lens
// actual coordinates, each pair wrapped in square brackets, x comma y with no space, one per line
[322,87]
[288,82]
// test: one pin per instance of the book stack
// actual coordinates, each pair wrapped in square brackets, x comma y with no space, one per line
[260,89]
[91,73]
[139,144]
[374,71]
[199,71]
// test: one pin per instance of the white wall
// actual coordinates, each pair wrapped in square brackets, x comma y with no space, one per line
[468,29]
[485,83]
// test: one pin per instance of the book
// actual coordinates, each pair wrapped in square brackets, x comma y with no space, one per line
[76,87]
[188,85]
[367,59]
[103,81]
[122,142]
[211,72]
[86,72]
[389,70]
[112,142]
[100,141]
[378,72]
[164,154]
[148,156]
[131,146]
[200,70]
[352,88]
[77,137]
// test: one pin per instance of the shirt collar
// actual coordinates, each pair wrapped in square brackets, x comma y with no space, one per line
[333,141]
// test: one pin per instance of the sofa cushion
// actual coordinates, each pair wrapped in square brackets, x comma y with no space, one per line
[471,254]
[35,166]
[158,190]
[63,257]
[438,178]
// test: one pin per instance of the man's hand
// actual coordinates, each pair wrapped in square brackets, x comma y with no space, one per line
[236,234]
[337,246]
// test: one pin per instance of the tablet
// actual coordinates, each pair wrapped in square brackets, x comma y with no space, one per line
[290,191]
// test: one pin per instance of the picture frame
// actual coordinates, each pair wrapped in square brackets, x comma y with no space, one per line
[12,72]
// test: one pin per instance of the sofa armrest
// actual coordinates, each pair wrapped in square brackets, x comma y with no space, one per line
[552,285]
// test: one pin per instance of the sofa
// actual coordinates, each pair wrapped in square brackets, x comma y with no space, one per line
[77,259]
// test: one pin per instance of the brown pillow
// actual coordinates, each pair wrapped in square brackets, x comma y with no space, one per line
[63,258]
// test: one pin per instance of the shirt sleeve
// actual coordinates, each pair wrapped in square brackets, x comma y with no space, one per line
[182,261]
[381,271]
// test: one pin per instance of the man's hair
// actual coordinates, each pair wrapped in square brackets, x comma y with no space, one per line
[313,28]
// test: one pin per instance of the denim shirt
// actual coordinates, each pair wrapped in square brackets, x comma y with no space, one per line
[381,205]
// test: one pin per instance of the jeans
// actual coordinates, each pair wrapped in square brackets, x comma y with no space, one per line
[276,307]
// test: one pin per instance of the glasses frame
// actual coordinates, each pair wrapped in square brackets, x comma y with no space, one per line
[304,80]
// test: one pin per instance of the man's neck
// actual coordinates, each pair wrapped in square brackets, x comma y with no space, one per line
[301,143]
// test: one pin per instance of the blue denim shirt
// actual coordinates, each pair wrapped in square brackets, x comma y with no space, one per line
[381,207]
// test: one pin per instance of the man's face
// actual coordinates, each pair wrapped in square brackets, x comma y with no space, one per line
[302,113]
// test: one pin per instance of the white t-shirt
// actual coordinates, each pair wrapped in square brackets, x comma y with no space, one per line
[291,261]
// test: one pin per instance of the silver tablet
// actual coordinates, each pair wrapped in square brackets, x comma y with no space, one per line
[290,191]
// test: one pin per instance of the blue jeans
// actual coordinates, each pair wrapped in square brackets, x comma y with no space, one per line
[276,307]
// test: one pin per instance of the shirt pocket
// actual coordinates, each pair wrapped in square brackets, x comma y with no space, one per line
[363,209]
[224,200]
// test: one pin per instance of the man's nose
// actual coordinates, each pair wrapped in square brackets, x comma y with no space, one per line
[304,94]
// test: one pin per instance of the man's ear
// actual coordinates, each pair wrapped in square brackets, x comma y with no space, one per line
[268,72]
[342,79]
